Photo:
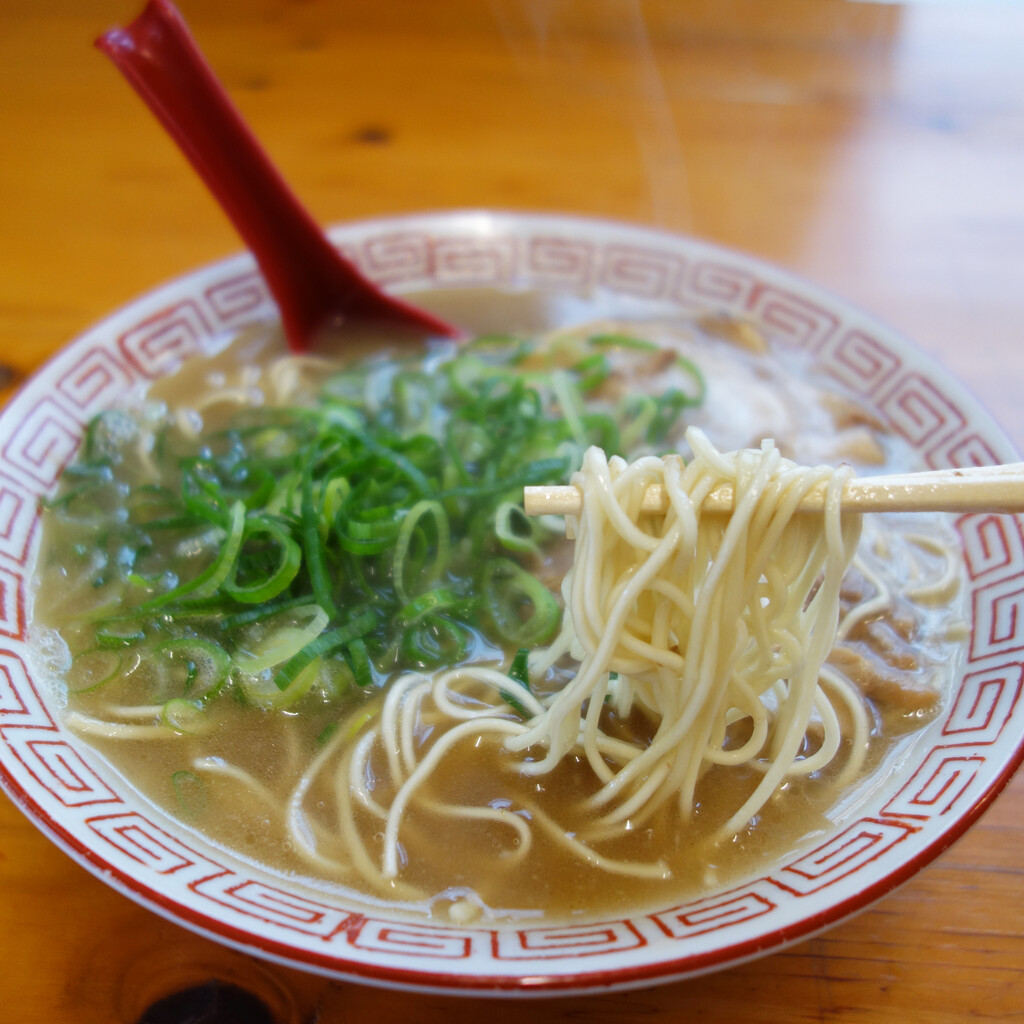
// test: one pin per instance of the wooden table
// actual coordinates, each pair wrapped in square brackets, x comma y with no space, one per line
[877,149]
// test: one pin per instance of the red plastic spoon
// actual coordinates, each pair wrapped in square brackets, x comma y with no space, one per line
[314,286]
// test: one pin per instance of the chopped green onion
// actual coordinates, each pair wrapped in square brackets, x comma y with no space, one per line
[435,640]
[190,792]
[593,371]
[625,341]
[409,561]
[278,645]
[182,715]
[358,660]
[202,667]
[282,570]
[519,670]
[522,610]
[374,529]
[264,692]
[515,530]
[324,644]
[92,669]
[228,623]
[314,548]
[667,408]
[207,582]
[434,601]
[119,633]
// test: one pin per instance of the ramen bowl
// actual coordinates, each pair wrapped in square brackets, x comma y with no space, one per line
[946,775]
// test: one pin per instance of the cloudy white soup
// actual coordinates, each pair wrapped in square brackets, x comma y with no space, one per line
[296,602]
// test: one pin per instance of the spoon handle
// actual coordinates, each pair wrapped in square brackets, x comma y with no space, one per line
[312,283]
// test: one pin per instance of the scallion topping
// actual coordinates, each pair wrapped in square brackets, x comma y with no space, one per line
[327,545]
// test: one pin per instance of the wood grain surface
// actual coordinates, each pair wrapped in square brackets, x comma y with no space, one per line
[876,149]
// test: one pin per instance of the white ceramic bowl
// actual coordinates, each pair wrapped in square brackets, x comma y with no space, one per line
[954,768]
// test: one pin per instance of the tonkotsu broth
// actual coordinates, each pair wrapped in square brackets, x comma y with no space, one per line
[474,870]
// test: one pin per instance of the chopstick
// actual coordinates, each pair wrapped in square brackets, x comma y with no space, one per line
[975,489]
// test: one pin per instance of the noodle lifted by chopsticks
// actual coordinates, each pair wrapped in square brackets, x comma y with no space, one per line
[706,622]
[715,627]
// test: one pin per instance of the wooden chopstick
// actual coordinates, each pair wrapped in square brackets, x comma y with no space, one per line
[976,489]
